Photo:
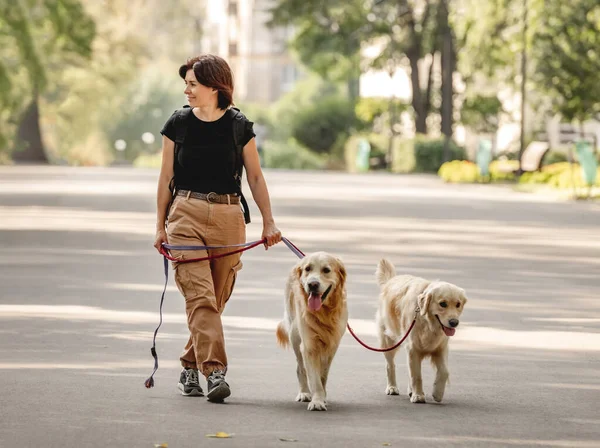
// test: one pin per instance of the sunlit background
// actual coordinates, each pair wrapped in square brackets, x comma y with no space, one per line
[400,85]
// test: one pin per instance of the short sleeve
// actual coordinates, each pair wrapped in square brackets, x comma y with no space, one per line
[248,132]
[168,129]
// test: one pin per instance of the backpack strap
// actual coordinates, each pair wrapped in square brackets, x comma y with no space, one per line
[180,123]
[239,122]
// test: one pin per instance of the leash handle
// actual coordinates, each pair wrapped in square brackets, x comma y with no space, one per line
[291,246]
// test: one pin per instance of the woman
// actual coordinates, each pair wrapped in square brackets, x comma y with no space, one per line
[206,210]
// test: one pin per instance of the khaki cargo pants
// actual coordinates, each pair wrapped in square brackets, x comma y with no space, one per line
[206,285]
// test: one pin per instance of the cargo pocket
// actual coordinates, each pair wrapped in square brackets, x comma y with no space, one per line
[229,285]
[184,282]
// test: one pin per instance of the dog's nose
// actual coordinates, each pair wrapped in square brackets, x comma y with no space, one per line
[453,323]
[313,286]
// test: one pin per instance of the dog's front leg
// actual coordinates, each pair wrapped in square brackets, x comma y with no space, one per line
[314,371]
[439,360]
[304,393]
[416,381]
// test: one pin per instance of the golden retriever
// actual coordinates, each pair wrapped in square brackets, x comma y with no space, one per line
[440,305]
[314,322]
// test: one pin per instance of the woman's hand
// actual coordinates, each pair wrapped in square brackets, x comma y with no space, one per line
[161,237]
[272,234]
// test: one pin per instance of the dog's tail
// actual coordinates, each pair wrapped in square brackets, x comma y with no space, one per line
[385,271]
[282,335]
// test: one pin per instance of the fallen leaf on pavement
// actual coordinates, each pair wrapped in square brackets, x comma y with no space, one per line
[220,435]
[161,445]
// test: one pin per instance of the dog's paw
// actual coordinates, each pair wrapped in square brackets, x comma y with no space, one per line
[303,397]
[392,390]
[416,398]
[317,405]
[438,397]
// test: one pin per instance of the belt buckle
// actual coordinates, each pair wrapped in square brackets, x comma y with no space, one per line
[214,195]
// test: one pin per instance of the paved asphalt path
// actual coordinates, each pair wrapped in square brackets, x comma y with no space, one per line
[80,284]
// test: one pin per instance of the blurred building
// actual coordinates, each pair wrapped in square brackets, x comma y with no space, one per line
[236,30]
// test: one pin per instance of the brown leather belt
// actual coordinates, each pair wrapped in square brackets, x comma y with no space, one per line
[211,197]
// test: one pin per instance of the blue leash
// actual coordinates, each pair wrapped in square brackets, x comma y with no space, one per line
[245,246]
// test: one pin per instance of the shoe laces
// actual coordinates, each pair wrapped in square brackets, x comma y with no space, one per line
[217,375]
[191,377]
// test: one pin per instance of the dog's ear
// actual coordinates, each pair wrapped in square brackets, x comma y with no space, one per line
[425,300]
[341,270]
[298,269]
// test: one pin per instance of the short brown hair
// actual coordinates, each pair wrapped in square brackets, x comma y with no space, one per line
[214,72]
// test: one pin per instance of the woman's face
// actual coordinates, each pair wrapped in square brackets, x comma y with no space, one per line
[197,94]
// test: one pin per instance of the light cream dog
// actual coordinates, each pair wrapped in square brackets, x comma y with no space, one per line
[440,305]
[314,321]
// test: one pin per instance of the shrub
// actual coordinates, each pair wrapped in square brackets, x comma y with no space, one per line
[558,175]
[503,170]
[464,171]
[459,171]
[319,126]
[429,154]
[403,156]
[148,160]
[552,157]
[291,155]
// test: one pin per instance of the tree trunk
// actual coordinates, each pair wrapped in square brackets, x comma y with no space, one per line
[417,97]
[390,150]
[427,101]
[353,82]
[447,74]
[30,148]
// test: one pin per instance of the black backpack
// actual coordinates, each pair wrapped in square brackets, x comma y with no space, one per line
[239,121]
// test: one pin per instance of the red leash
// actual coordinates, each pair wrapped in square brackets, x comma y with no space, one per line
[393,347]
[242,247]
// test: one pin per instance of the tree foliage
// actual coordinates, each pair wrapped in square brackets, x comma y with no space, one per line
[36,37]
[567,54]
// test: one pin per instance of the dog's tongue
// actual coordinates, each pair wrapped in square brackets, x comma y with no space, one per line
[449,331]
[314,302]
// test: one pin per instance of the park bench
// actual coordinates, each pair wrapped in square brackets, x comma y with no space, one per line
[531,159]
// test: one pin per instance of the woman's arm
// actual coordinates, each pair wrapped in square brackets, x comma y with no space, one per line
[163,194]
[260,193]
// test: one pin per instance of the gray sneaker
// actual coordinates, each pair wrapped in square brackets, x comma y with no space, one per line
[189,385]
[218,389]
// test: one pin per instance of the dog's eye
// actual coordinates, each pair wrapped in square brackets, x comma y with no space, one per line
[307,268]
[443,304]
[458,305]
[326,270]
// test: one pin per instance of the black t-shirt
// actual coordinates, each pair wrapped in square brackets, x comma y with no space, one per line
[204,162]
